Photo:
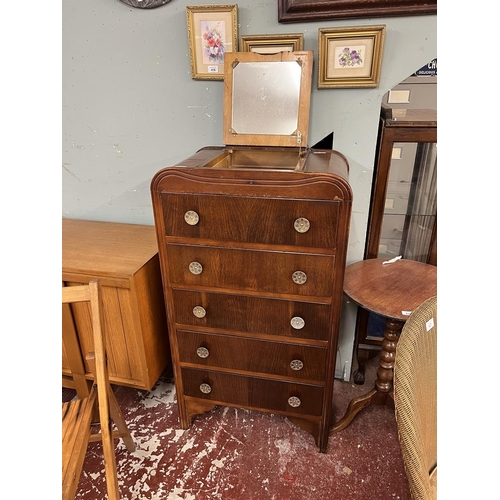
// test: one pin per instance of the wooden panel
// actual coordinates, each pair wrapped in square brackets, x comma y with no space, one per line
[256,220]
[253,315]
[253,392]
[251,270]
[152,320]
[257,356]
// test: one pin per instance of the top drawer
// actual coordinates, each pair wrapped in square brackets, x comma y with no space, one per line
[274,221]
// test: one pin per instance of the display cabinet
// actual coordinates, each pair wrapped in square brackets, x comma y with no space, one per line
[403,211]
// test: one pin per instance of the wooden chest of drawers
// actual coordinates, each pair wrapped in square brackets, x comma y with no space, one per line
[125,259]
[252,262]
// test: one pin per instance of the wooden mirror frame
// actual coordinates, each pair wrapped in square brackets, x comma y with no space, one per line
[295,11]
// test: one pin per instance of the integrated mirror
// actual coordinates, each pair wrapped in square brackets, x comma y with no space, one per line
[266,97]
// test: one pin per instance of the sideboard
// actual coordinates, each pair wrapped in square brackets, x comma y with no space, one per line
[124,257]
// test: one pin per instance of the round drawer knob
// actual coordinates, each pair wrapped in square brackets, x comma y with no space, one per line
[297,322]
[296,365]
[195,268]
[205,389]
[299,277]
[302,225]
[199,312]
[203,353]
[191,217]
[294,401]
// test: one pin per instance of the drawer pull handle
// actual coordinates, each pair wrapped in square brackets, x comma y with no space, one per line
[205,389]
[195,268]
[302,225]
[296,365]
[299,277]
[191,217]
[199,312]
[297,322]
[202,352]
[294,401]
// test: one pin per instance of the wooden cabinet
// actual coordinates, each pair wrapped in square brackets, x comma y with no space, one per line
[125,259]
[253,261]
[403,210]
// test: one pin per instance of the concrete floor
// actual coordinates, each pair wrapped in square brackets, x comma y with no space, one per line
[235,454]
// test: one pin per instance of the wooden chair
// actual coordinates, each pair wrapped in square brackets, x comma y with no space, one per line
[415,399]
[78,414]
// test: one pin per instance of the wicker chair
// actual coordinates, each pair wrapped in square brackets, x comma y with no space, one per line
[415,399]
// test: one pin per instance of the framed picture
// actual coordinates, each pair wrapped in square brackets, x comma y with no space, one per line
[350,57]
[212,31]
[272,44]
[299,11]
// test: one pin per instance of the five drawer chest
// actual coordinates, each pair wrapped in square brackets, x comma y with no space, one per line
[252,253]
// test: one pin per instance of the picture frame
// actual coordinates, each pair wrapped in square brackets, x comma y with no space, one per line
[350,57]
[272,44]
[212,31]
[299,11]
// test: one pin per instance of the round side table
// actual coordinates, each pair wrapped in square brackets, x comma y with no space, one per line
[393,290]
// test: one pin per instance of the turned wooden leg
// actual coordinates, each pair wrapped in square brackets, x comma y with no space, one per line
[385,373]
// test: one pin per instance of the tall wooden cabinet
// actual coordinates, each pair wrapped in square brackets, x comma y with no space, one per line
[403,210]
[124,257]
[252,242]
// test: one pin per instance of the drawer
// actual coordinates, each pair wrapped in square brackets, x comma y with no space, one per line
[259,356]
[251,220]
[257,270]
[240,390]
[252,314]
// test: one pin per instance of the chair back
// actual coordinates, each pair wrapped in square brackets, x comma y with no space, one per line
[415,399]
[100,404]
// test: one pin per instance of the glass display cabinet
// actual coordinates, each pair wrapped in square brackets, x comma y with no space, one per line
[403,211]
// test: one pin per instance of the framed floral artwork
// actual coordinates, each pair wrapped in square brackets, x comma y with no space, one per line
[272,44]
[212,31]
[350,57]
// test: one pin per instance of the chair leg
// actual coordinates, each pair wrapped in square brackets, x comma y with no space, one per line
[108,447]
[117,417]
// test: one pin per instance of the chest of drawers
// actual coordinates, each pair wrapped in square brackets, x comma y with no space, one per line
[252,263]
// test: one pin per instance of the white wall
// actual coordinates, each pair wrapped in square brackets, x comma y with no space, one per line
[130,107]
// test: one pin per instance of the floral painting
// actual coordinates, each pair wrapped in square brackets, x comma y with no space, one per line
[213,32]
[214,36]
[349,57]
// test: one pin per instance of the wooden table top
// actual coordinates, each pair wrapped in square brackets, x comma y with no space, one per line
[391,290]
[106,248]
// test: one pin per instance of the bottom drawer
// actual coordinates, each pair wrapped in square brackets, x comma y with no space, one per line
[238,390]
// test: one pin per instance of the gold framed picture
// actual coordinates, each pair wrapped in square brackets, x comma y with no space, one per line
[272,44]
[212,31]
[350,57]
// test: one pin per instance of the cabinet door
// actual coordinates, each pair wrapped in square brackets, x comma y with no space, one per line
[410,208]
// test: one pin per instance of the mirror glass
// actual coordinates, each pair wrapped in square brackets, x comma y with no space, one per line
[266,97]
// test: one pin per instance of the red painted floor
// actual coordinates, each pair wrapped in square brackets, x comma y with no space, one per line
[235,454]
